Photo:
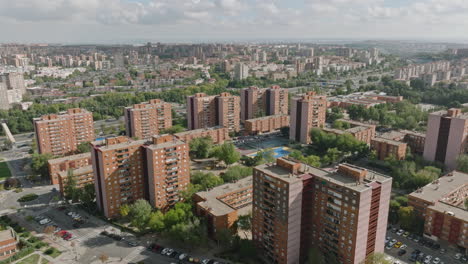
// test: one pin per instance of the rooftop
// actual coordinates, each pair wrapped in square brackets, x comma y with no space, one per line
[440,188]
[195,131]
[85,155]
[103,146]
[6,234]
[218,206]
[388,141]
[265,117]
[77,172]
[457,212]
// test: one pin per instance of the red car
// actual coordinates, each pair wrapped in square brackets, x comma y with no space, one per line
[62,233]
[67,236]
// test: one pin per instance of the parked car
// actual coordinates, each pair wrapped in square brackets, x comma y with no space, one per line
[45,221]
[183,256]
[458,256]
[398,244]
[400,232]
[406,234]
[436,261]
[401,252]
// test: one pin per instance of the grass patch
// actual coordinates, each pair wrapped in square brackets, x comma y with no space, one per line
[44,261]
[53,252]
[33,259]
[4,171]
[28,198]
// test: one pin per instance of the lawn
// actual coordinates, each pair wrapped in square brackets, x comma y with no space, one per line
[4,171]
[33,259]
[53,252]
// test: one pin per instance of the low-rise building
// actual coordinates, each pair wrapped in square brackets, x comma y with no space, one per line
[82,177]
[56,166]
[415,140]
[8,243]
[217,134]
[360,131]
[266,124]
[223,205]
[442,206]
[387,147]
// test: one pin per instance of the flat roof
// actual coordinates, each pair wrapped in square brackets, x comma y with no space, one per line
[388,141]
[174,142]
[332,176]
[6,235]
[77,171]
[444,113]
[218,207]
[183,133]
[440,188]
[458,212]
[101,144]
[72,157]
[264,118]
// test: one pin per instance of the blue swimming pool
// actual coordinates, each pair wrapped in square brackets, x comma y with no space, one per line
[279,152]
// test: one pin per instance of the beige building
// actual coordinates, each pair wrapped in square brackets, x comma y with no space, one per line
[387,147]
[307,111]
[446,137]
[145,120]
[61,134]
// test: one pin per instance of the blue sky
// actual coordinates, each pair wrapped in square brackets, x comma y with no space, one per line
[124,21]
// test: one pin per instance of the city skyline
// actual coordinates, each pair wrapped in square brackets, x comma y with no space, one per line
[130,21]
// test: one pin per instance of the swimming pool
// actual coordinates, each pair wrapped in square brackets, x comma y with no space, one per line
[279,152]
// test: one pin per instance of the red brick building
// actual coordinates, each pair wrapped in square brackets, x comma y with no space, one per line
[9,241]
[56,166]
[266,124]
[145,120]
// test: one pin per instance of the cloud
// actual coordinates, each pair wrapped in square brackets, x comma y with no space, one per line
[242,17]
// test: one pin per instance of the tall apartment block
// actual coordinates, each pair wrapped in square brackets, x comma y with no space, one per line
[295,207]
[61,134]
[208,111]
[168,163]
[256,102]
[119,173]
[307,111]
[126,170]
[442,206]
[145,120]
[446,137]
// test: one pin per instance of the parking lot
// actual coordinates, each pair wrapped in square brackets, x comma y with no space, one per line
[409,248]
[89,238]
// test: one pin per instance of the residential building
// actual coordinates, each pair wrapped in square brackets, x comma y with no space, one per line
[360,131]
[60,134]
[446,136]
[63,164]
[12,89]
[209,111]
[342,212]
[228,107]
[217,134]
[241,71]
[9,241]
[415,140]
[145,120]
[442,206]
[266,124]
[257,102]
[307,111]
[168,165]
[387,147]
[223,205]
[119,167]
[82,177]
[126,170]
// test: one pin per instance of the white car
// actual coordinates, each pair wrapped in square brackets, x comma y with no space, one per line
[182,256]
[458,256]
[45,221]
[169,251]
[436,261]
[164,251]
[205,261]
[400,232]
[404,246]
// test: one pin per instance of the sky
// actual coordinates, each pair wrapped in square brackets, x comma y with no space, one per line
[134,21]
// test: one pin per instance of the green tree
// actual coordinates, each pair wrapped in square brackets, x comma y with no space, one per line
[267,155]
[87,195]
[70,190]
[462,163]
[377,258]
[205,181]
[200,147]
[39,164]
[124,210]
[406,216]
[227,153]
[172,130]
[83,147]
[140,213]
[156,221]
[235,173]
